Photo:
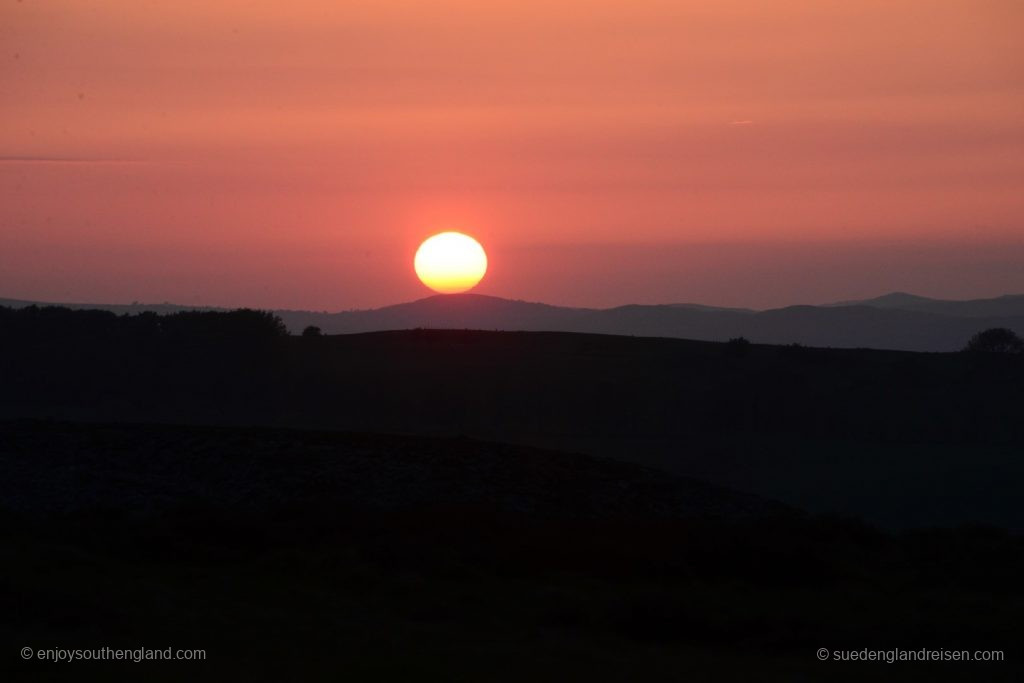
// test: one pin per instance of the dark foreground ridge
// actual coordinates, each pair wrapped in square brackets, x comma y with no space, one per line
[895,321]
[290,551]
[301,555]
[904,440]
[49,470]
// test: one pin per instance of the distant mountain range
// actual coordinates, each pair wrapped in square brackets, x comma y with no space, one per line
[895,321]
[1003,306]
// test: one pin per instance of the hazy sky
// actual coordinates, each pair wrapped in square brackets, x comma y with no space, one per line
[294,154]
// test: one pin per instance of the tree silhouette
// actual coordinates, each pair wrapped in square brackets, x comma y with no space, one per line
[243,323]
[312,331]
[996,340]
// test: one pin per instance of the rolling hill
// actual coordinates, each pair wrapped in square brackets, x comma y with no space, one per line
[55,469]
[860,326]
[900,439]
[896,321]
[1009,306]
[422,504]
[296,554]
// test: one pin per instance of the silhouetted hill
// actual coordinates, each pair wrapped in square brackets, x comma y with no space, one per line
[296,555]
[141,471]
[1009,306]
[459,311]
[405,550]
[862,326]
[900,439]
[896,321]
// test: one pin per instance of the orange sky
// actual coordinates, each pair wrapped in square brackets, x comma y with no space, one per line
[294,154]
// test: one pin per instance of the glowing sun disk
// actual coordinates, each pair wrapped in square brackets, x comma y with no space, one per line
[450,262]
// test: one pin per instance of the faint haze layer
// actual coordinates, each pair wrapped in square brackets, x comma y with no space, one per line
[294,154]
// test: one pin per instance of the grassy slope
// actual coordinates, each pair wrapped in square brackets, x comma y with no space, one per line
[901,439]
[322,580]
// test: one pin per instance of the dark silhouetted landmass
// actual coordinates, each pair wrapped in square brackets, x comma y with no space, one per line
[470,505]
[53,469]
[852,326]
[296,555]
[896,321]
[899,439]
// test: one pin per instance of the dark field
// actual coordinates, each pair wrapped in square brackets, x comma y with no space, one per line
[353,507]
[900,439]
[296,555]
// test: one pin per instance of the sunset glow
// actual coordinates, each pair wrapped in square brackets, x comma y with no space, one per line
[290,154]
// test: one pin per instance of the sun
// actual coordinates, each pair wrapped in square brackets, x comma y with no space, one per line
[450,262]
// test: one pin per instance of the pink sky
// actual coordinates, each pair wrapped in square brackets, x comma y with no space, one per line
[294,154]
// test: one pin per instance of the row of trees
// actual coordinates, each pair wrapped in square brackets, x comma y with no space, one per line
[58,321]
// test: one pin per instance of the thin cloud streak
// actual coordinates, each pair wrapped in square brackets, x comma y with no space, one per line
[67,160]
